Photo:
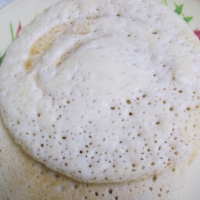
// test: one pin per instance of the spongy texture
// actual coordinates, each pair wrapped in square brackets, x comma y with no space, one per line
[21,178]
[104,91]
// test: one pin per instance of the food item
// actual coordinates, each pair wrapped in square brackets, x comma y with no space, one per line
[22,177]
[99,94]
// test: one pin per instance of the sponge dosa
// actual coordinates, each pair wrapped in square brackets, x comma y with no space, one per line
[103,91]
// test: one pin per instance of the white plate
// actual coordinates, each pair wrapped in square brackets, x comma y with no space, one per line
[19,13]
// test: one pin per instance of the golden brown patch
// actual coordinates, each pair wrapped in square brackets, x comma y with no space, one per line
[42,44]
[28,64]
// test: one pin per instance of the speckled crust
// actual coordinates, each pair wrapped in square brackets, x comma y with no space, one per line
[22,178]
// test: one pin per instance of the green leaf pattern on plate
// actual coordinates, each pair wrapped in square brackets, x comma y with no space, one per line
[179,11]
[1,58]
[11,32]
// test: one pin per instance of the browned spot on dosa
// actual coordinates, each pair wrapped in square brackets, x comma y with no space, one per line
[42,44]
[27,64]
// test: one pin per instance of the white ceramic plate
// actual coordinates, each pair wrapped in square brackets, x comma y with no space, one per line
[19,13]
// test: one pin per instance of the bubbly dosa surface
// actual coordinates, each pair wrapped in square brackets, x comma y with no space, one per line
[103,91]
[22,178]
